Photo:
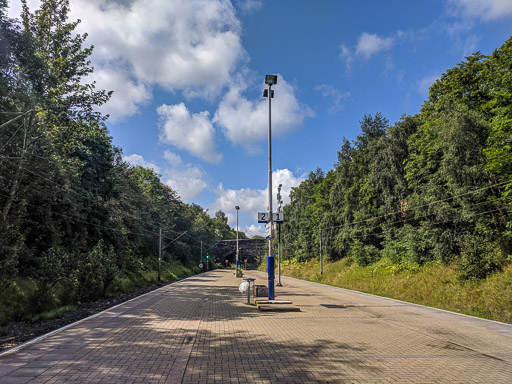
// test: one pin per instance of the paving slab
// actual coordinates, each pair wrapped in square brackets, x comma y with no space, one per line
[273,307]
[266,301]
[200,330]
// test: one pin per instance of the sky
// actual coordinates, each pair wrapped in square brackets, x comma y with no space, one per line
[188,77]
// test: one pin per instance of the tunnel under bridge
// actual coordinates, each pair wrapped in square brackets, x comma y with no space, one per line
[252,250]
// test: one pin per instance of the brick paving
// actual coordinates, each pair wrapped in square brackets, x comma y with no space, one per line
[200,330]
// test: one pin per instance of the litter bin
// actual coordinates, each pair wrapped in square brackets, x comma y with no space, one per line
[249,280]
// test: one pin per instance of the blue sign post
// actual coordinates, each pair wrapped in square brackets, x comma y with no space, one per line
[265,217]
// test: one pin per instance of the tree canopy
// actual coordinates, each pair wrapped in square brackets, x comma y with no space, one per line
[74,215]
[433,187]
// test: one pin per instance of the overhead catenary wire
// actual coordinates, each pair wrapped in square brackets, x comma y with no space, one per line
[417,207]
[433,223]
[89,198]
[85,221]
[86,197]
[68,188]
[375,234]
[415,218]
[12,137]
[455,209]
[15,118]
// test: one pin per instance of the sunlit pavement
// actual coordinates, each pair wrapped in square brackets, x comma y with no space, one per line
[201,330]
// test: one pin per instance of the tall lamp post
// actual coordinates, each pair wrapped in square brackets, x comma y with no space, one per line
[237,262]
[270,80]
[279,202]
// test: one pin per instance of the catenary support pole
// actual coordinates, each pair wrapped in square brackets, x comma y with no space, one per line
[321,261]
[159,253]
[279,257]
[237,253]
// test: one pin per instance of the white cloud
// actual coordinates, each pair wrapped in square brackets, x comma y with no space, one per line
[245,122]
[486,10]
[370,44]
[180,45]
[188,181]
[344,51]
[15,7]
[390,63]
[252,201]
[136,159]
[128,95]
[193,132]
[460,32]
[252,230]
[424,84]
[172,158]
[336,94]
[346,55]
[470,45]
[249,6]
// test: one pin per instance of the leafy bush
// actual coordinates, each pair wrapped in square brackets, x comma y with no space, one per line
[51,271]
[15,299]
[479,259]
[395,251]
[364,254]
[95,272]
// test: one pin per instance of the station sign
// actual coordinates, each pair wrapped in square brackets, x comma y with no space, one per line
[277,217]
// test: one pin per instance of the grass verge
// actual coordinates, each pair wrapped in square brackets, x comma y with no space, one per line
[17,297]
[53,313]
[435,285]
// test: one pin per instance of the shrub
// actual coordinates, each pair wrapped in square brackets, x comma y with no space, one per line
[15,300]
[395,251]
[51,271]
[364,254]
[479,259]
[95,272]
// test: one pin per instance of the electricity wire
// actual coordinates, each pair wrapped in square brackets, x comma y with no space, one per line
[14,134]
[83,221]
[417,207]
[88,198]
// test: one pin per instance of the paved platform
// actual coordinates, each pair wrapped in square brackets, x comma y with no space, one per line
[200,330]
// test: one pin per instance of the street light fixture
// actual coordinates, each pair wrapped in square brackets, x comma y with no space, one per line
[236,267]
[270,80]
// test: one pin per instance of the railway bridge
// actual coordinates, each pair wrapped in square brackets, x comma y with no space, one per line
[251,250]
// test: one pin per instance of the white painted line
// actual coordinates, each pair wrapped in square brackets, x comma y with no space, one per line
[497,326]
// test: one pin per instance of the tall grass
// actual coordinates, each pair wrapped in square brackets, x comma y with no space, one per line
[434,285]
[18,295]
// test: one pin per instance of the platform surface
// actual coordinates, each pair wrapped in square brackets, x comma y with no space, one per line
[200,330]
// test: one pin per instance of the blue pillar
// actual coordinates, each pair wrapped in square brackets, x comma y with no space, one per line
[271,266]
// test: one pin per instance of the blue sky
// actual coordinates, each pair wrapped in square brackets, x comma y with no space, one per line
[188,77]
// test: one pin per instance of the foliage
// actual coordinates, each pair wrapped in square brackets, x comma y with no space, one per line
[433,284]
[76,222]
[433,187]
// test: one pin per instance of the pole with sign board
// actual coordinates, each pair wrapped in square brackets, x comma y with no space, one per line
[278,218]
